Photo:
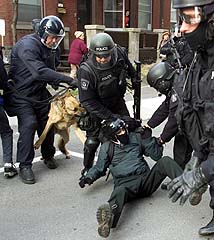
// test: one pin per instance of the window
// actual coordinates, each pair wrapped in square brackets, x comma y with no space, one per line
[144,14]
[28,10]
[173,19]
[113,13]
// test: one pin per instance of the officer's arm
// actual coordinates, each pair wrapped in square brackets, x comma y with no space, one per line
[159,115]
[89,98]
[32,59]
[171,127]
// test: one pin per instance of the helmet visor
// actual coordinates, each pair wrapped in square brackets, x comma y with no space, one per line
[51,40]
[191,15]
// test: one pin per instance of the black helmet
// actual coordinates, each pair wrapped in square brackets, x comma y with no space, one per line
[190,3]
[109,129]
[103,46]
[51,26]
[160,77]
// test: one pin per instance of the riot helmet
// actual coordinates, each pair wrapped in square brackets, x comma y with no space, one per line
[111,130]
[103,51]
[202,9]
[160,77]
[190,3]
[51,26]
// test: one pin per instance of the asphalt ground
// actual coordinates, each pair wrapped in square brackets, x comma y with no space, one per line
[56,208]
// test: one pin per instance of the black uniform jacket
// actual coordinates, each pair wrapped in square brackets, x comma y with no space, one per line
[128,159]
[33,66]
[99,93]
[166,111]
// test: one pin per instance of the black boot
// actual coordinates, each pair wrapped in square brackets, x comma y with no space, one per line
[50,162]
[27,175]
[208,229]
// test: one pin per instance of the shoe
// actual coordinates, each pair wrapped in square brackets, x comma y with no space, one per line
[208,229]
[50,163]
[195,198]
[27,175]
[10,171]
[104,219]
[164,185]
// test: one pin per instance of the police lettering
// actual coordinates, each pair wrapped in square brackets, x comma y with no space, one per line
[99,49]
[106,78]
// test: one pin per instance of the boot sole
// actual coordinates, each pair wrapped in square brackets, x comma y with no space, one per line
[103,219]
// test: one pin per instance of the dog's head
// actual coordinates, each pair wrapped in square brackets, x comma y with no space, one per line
[72,106]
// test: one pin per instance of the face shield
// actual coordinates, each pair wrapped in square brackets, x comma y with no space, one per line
[52,40]
[193,16]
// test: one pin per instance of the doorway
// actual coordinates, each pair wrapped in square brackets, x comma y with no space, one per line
[84,14]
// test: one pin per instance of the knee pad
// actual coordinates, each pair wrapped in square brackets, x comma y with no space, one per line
[91,145]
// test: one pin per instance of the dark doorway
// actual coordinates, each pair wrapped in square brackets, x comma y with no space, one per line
[84,14]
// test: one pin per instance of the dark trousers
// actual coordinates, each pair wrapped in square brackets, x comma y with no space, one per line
[93,137]
[182,150]
[32,116]
[6,134]
[139,186]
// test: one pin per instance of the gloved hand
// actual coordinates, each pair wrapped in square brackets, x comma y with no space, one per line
[131,122]
[183,186]
[85,180]
[159,141]
[146,132]
[86,122]
[72,82]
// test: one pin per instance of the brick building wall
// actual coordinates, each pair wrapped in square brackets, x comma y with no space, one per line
[70,18]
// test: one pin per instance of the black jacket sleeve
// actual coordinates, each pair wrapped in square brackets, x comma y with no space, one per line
[3,75]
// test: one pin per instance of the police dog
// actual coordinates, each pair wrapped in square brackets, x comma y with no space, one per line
[64,111]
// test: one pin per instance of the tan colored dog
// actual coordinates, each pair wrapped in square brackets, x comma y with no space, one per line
[63,112]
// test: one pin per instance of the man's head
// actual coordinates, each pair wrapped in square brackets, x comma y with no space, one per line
[160,77]
[51,31]
[102,51]
[116,130]
[197,19]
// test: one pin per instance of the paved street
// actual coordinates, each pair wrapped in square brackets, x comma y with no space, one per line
[56,208]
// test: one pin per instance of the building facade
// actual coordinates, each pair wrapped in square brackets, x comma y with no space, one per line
[148,15]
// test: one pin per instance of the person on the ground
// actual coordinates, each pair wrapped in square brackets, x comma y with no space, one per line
[33,66]
[131,173]
[77,50]
[6,131]
[102,86]
[195,113]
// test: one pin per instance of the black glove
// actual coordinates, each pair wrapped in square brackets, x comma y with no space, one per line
[72,82]
[85,180]
[183,186]
[86,122]
[146,132]
[159,141]
[131,122]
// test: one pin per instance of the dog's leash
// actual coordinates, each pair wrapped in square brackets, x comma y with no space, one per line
[48,100]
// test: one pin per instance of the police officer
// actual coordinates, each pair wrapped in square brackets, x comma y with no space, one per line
[132,177]
[102,85]
[33,64]
[161,77]
[196,112]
